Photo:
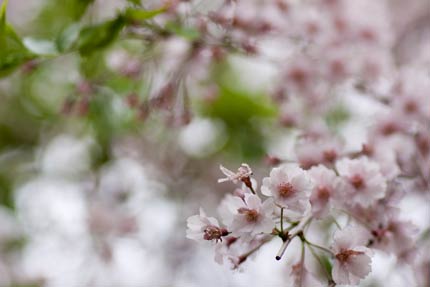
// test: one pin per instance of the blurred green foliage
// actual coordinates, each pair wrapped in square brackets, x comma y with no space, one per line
[240,109]
[187,33]
[56,16]
[12,51]
[92,38]
[336,116]
[66,48]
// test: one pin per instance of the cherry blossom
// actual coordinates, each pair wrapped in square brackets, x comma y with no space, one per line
[248,216]
[201,227]
[290,187]
[362,180]
[395,236]
[352,260]
[326,184]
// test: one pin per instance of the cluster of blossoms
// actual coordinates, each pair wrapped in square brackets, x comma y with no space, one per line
[292,199]
[330,59]
[329,50]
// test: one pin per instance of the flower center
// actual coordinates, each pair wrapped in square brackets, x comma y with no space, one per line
[251,215]
[330,155]
[344,254]
[213,232]
[298,76]
[357,181]
[323,192]
[410,106]
[285,189]
[389,128]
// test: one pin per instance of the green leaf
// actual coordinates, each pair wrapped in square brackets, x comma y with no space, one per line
[93,66]
[13,52]
[141,14]
[99,36]
[68,37]
[135,2]
[57,16]
[236,108]
[6,192]
[241,110]
[325,260]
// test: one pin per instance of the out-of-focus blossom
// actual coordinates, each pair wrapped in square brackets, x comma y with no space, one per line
[326,184]
[363,182]
[312,151]
[395,236]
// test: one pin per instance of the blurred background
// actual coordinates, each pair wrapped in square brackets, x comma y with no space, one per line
[114,121]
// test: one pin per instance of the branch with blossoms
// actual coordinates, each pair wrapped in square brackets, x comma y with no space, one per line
[291,199]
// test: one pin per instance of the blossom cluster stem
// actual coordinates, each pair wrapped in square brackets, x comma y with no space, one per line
[288,238]
[302,264]
[282,220]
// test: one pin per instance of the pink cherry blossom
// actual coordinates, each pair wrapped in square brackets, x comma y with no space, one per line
[201,227]
[363,182]
[385,157]
[352,260]
[394,236]
[326,184]
[312,151]
[290,187]
[248,216]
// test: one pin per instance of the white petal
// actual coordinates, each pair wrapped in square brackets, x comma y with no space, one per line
[253,201]
[340,274]
[268,207]
[359,265]
[265,188]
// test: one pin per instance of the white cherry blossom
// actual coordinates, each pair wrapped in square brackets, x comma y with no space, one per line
[247,216]
[352,260]
[363,182]
[326,184]
[290,187]
[202,227]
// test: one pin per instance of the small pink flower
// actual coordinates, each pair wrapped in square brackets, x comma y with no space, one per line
[313,150]
[363,182]
[325,185]
[352,260]
[201,227]
[248,215]
[385,157]
[290,186]
[395,236]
